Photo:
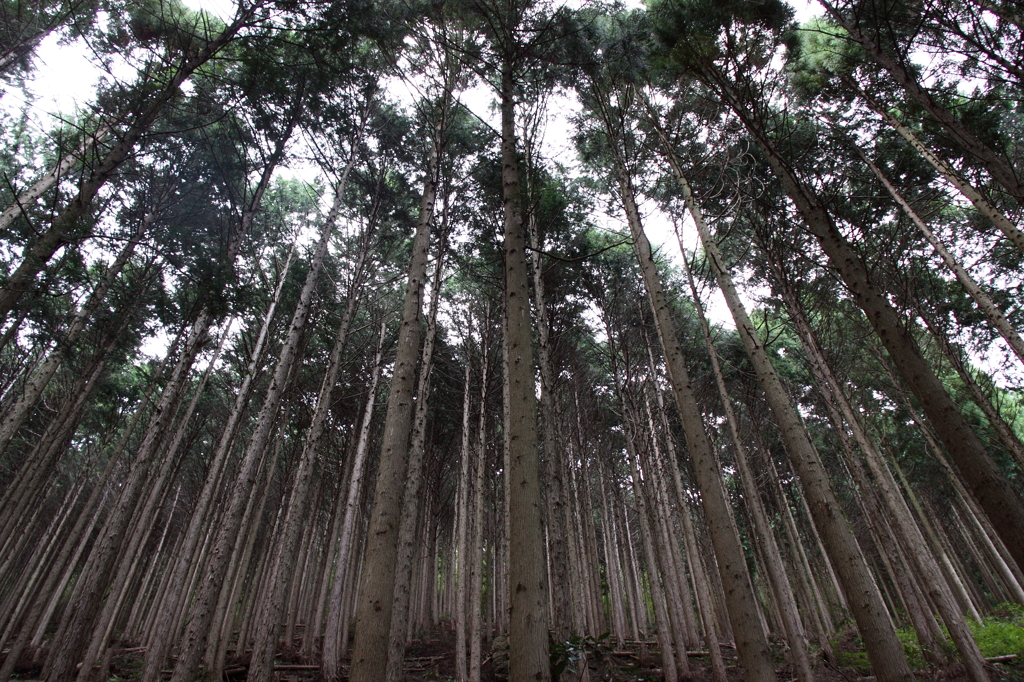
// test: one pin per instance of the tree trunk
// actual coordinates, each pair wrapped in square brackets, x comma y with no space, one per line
[401,617]
[40,186]
[884,649]
[997,167]
[261,667]
[79,618]
[461,539]
[377,585]
[65,226]
[995,316]
[159,646]
[528,626]
[993,491]
[334,644]
[924,563]
[750,642]
[785,599]
[202,611]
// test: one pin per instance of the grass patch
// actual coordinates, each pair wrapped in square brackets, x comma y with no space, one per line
[1002,633]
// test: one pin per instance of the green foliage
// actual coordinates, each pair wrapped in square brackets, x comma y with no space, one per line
[911,647]
[1001,634]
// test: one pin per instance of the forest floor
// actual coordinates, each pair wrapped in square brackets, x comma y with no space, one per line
[432,659]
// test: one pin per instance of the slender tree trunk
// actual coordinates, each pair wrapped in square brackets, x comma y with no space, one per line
[79,618]
[43,184]
[528,600]
[202,612]
[1000,502]
[884,649]
[34,387]
[261,668]
[783,592]
[750,640]
[334,644]
[923,563]
[401,617]
[65,227]
[977,199]
[995,316]
[554,488]
[670,572]
[997,166]
[376,592]
[957,360]
[159,646]
[461,540]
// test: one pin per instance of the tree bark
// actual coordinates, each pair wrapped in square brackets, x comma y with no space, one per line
[1000,502]
[261,667]
[528,590]
[202,611]
[750,640]
[62,231]
[376,592]
[995,316]
[997,167]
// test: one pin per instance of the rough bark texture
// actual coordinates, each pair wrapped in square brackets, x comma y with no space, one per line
[527,576]
[884,649]
[376,593]
[1000,502]
[996,165]
[750,642]
[201,614]
[995,316]
[65,227]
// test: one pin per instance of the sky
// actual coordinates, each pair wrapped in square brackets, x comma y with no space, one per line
[66,77]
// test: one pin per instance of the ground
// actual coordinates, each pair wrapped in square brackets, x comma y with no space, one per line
[431,659]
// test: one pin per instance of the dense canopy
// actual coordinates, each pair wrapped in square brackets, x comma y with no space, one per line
[313,366]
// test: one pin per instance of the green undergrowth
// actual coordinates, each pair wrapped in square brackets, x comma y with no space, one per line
[1002,633]
[999,634]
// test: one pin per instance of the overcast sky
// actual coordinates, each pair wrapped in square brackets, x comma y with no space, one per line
[65,79]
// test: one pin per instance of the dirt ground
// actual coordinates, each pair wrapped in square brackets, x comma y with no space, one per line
[431,659]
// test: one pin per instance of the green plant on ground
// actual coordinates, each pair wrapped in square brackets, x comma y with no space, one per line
[912,647]
[1002,633]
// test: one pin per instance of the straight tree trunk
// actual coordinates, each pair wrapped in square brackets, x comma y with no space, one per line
[476,585]
[999,500]
[43,184]
[261,667]
[750,641]
[528,600]
[785,599]
[79,617]
[958,361]
[883,647]
[924,564]
[461,540]
[202,611]
[376,592]
[159,646]
[66,225]
[34,387]
[977,199]
[554,488]
[334,644]
[402,619]
[995,316]
[997,166]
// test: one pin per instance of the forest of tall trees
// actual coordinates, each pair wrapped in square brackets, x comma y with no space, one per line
[311,367]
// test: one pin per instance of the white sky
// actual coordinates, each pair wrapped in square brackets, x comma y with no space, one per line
[65,79]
